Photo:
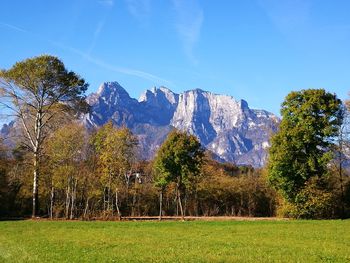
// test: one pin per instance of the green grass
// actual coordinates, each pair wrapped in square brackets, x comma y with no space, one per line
[195,241]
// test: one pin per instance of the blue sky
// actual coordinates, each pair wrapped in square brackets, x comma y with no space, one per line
[257,50]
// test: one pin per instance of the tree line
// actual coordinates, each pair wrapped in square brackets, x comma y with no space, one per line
[97,175]
[60,169]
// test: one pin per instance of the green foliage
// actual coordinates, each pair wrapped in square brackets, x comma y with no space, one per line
[178,160]
[300,150]
[314,201]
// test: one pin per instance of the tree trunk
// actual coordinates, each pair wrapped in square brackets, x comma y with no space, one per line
[51,201]
[176,201]
[35,186]
[134,198]
[73,197]
[68,199]
[160,204]
[109,193]
[117,205]
[196,202]
[112,205]
[341,186]
[86,208]
[180,204]
[104,200]
[36,148]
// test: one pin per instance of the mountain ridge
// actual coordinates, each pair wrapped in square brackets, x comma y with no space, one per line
[225,126]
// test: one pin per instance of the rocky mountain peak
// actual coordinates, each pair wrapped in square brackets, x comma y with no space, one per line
[110,93]
[113,92]
[110,102]
[159,95]
[224,125]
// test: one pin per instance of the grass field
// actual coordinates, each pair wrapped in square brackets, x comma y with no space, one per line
[192,241]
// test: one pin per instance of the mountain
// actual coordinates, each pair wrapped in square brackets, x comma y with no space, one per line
[228,128]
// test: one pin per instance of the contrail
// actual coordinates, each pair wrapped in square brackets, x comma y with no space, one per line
[94,60]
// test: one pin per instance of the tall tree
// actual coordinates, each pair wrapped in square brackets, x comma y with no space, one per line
[301,148]
[116,151]
[178,160]
[36,91]
[66,151]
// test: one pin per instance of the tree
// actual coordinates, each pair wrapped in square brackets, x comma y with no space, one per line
[66,151]
[116,151]
[300,150]
[37,91]
[178,160]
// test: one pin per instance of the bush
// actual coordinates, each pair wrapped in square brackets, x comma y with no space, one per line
[314,201]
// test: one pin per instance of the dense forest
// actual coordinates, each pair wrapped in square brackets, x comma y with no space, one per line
[58,168]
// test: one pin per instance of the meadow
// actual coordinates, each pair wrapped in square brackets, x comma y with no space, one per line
[175,241]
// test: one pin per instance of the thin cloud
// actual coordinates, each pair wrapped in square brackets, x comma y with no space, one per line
[139,9]
[108,3]
[98,62]
[189,20]
[96,35]
[117,69]
[99,27]
[13,27]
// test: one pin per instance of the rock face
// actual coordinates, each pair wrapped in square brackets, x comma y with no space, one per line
[228,128]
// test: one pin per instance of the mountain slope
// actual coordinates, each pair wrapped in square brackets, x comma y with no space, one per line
[228,128]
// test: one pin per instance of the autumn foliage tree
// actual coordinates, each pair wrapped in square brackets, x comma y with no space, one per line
[37,91]
[66,151]
[75,182]
[116,154]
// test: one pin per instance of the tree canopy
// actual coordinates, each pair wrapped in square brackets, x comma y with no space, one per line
[301,148]
[178,160]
